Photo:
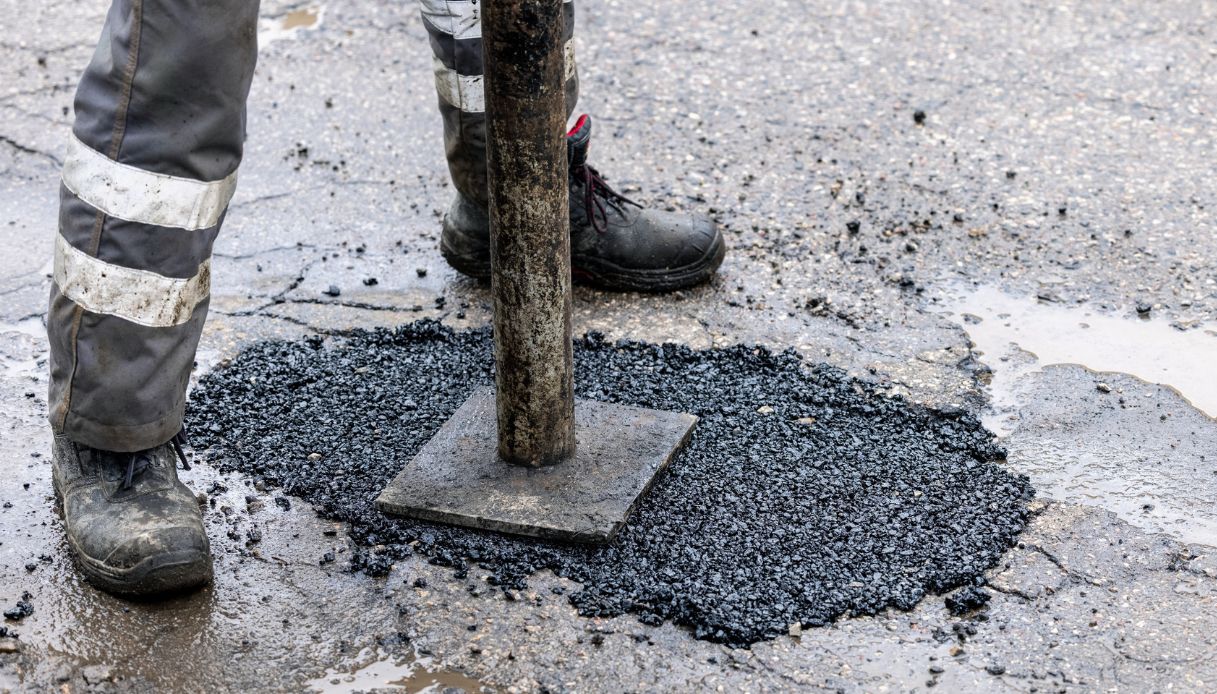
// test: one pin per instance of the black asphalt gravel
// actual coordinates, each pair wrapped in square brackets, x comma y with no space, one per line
[803,495]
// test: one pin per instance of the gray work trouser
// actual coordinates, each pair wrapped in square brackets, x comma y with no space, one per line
[150,168]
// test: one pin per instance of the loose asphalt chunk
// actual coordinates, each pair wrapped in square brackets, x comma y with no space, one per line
[803,495]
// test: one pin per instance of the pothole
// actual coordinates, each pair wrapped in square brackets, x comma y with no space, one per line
[803,495]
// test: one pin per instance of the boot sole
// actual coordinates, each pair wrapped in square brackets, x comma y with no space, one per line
[172,572]
[604,275]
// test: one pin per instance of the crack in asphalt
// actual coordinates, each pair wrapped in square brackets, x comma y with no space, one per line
[26,149]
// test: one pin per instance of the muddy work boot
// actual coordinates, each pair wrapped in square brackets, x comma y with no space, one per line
[615,242]
[134,527]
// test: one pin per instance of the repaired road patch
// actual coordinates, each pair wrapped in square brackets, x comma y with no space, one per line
[803,495]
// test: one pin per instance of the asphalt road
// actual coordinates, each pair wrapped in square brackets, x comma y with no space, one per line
[1050,211]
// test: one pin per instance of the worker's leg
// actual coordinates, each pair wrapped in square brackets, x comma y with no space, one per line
[614,243]
[150,167]
[455,30]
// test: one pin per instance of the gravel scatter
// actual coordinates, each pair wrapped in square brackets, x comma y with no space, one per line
[836,501]
[23,608]
[966,600]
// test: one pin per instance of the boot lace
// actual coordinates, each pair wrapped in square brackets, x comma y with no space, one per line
[597,196]
[137,463]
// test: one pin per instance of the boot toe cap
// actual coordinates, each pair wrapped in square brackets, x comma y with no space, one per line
[144,555]
[662,241]
[163,560]
[701,243]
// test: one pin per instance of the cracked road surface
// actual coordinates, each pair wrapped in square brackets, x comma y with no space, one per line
[877,166]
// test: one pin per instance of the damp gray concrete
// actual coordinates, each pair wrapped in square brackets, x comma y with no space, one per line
[1063,159]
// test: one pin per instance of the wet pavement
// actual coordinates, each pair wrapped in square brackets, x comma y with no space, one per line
[1057,176]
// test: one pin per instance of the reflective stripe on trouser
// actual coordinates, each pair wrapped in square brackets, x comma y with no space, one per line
[151,165]
[455,30]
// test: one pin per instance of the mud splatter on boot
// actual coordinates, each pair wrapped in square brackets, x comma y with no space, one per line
[132,525]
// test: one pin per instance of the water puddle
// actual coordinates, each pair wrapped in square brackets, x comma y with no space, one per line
[22,348]
[1017,336]
[417,674]
[1103,434]
[289,25]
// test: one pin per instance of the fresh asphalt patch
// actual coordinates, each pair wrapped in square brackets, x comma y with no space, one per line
[804,495]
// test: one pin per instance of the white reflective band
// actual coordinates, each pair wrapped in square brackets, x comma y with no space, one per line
[465,92]
[139,296]
[125,192]
[461,19]
[468,93]
[568,52]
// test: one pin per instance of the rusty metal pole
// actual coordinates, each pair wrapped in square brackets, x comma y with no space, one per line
[460,476]
[529,229]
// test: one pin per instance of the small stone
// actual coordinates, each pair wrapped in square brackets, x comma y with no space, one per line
[422,272]
[995,669]
[807,421]
[966,600]
[9,645]
[370,281]
[795,629]
[333,290]
[1144,308]
[314,457]
[853,227]
[1103,388]
[764,409]
[21,610]
[919,117]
